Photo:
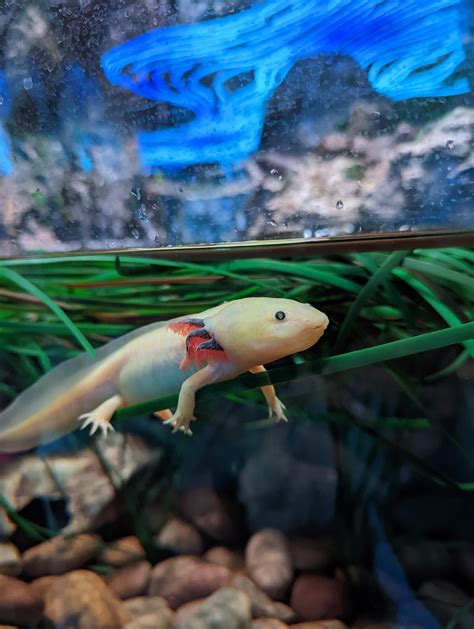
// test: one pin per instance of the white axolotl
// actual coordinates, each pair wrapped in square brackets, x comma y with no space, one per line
[181,355]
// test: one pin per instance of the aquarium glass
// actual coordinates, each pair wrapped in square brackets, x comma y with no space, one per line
[151,123]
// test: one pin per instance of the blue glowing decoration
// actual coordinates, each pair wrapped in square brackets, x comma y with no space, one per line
[224,71]
[6,166]
[387,569]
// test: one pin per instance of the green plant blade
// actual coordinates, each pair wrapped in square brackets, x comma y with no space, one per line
[14,277]
[380,276]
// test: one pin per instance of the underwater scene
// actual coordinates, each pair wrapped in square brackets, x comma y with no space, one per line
[236,314]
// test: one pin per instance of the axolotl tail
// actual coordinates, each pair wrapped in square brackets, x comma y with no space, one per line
[50,407]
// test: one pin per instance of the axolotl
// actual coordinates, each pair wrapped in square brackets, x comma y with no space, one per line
[181,355]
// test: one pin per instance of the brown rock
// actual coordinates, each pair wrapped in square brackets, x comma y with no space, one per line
[317,598]
[311,554]
[268,562]
[10,561]
[211,514]
[81,599]
[91,497]
[320,624]
[122,552]
[19,604]
[41,586]
[149,613]
[268,623]
[60,555]
[223,556]
[180,537]
[146,605]
[183,579]
[131,580]
[187,611]
[8,627]
[151,621]
[262,605]
[228,607]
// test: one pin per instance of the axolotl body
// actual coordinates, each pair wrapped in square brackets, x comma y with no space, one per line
[181,355]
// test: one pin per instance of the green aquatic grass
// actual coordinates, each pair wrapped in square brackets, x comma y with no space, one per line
[13,277]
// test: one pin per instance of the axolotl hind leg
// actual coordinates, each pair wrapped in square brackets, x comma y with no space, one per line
[99,418]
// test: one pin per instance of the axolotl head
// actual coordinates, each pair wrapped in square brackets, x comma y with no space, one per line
[258,330]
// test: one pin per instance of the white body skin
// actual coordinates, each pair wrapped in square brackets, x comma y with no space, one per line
[145,365]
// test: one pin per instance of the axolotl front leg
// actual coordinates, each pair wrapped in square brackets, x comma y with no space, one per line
[184,413]
[276,408]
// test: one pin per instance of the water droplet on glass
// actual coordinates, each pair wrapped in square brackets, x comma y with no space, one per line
[274,171]
[404,228]
[359,184]
[339,205]
[180,189]
[450,145]
[157,239]
[280,177]
[142,215]
[135,233]
[321,233]
[272,223]
[136,193]
[28,83]
[307,233]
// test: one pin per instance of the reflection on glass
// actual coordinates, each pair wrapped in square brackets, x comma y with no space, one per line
[146,124]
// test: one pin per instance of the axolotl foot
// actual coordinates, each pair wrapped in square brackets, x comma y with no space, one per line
[277,411]
[96,422]
[180,423]
[99,418]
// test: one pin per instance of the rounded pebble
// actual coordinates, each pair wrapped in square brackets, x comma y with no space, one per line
[223,556]
[82,600]
[19,603]
[60,555]
[268,562]
[122,552]
[131,581]
[10,560]
[228,607]
[183,579]
[180,538]
[314,597]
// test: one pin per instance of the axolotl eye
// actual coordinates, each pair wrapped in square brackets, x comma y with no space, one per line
[280,315]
